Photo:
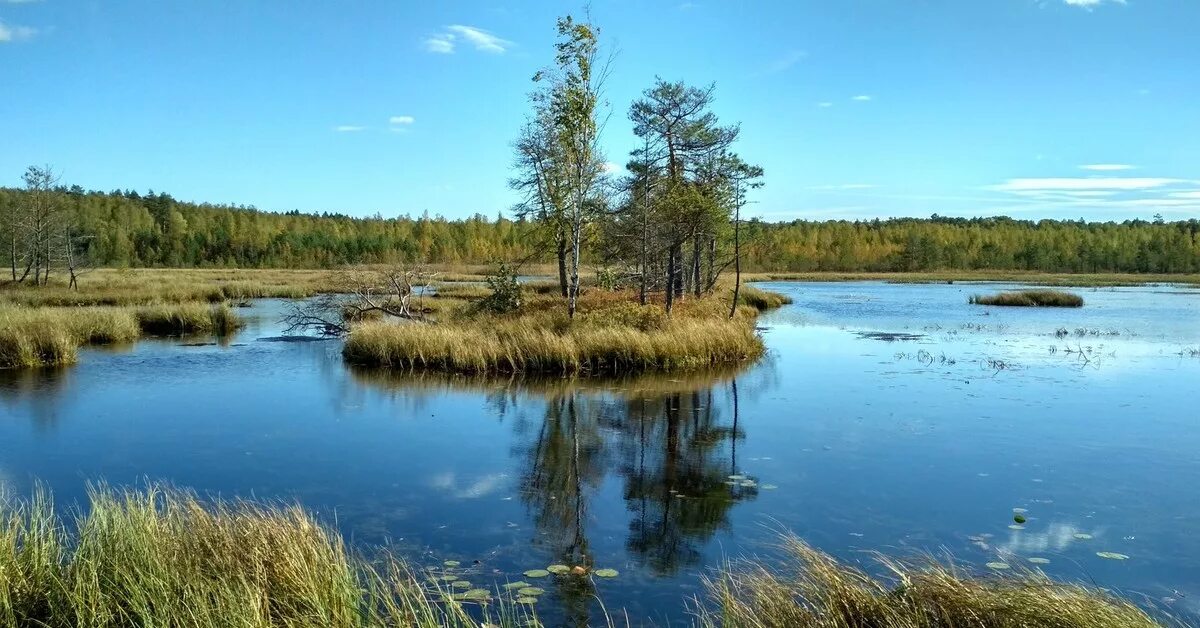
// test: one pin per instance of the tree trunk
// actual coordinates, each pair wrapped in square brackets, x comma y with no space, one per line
[737,253]
[670,279]
[576,237]
[696,267]
[562,262]
[712,263]
[677,269]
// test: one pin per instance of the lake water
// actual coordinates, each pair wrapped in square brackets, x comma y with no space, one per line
[851,440]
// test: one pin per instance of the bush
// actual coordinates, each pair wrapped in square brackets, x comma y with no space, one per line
[505,291]
[1030,298]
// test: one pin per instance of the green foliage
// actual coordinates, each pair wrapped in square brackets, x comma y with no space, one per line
[505,290]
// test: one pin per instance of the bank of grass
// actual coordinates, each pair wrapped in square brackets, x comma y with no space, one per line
[1079,280]
[1030,298]
[762,300]
[611,333]
[164,558]
[812,590]
[51,336]
[161,557]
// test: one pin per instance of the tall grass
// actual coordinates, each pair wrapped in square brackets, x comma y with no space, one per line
[164,558]
[32,337]
[813,590]
[1030,298]
[761,300]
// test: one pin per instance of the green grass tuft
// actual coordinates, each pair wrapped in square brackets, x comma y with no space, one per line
[1030,298]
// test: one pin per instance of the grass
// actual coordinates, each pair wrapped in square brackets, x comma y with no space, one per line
[610,334]
[1079,280]
[51,336]
[762,300]
[812,590]
[164,558]
[1030,298]
[161,557]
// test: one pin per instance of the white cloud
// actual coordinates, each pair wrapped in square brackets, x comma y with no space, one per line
[348,128]
[1107,167]
[1084,183]
[15,33]
[611,167]
[19,1]
[861,98]
[401,120]
[1192,194]
[1089,4]
[825,105]
[481,39]
[441,44]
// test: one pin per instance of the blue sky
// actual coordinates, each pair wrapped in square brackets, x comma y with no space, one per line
[855,108]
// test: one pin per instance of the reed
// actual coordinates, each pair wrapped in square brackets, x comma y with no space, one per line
[187,318]
[161,557]
[762,300]
[1030,298]
[812,590]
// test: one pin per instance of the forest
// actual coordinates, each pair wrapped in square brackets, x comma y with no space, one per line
[130,229]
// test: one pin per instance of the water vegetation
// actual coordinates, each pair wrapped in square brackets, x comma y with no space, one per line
[51,336]
[160,557]
[163,557]
[813,590]
[1030,298]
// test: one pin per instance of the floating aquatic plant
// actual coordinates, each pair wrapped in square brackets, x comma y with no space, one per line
[536,573]
[558,569]
[606,573]
[530,591]
[1112,555]
[998,566]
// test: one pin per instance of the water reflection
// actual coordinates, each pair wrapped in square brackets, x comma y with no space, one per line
[671,442]
[36,393]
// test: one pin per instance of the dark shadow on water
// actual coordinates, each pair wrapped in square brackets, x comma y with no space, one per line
[36,392]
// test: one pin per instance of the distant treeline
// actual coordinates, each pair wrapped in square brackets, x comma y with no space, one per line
[125,228]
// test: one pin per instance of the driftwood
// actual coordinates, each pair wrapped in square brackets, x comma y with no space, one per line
[361,294]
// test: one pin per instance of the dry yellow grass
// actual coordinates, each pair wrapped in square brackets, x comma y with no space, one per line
[813,590]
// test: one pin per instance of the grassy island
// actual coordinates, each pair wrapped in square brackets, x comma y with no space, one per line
[1030,298]
[610,334]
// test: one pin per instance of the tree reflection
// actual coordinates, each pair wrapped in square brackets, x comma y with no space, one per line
[36,391]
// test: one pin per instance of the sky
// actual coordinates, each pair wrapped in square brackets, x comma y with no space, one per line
[854,108]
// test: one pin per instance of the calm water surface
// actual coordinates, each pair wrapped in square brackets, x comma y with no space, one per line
[922,444]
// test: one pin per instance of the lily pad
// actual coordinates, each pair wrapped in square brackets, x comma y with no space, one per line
[1112,555]
[1039,561]
[1082,537]
[452,563]
[998,566]
[530,592]
[461,584]
[476,595]
[536,573]
[558,569]
[606,573]
[526,600]
[449,578]
[512,586]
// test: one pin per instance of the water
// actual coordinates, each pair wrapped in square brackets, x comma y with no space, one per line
[855,443]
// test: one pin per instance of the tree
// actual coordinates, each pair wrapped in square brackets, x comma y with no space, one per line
[681,134]
[574,98]
[541,180]
[43,221]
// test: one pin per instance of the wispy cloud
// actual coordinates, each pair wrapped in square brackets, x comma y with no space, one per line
[1107,167]
[441,44]
[1090,4]
[399,120]
[349,128]
[862,98]
[825,105]
[15,33]
[1085,183]
[19,1]
[784,62]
